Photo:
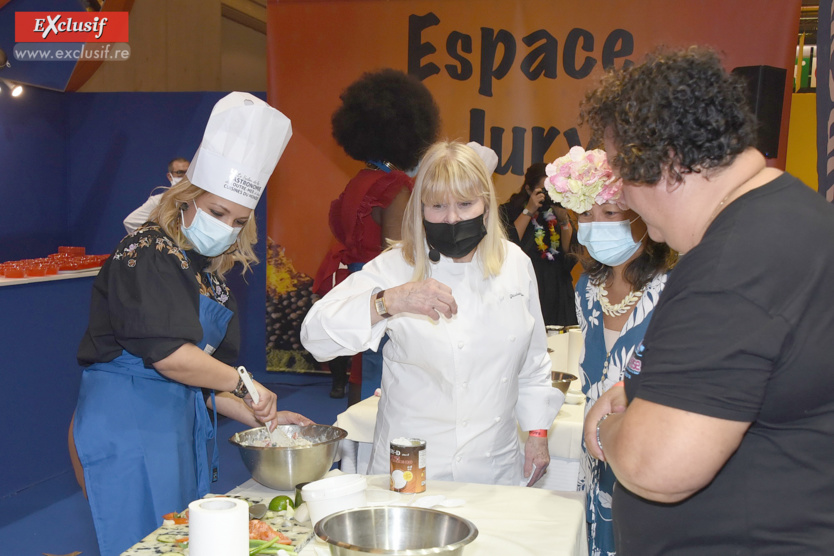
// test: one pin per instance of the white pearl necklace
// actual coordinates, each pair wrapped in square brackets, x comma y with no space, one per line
[620,308]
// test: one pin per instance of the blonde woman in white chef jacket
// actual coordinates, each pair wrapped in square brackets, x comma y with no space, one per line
[467,356]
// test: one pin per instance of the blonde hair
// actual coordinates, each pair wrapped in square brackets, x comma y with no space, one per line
[451,168]
[169,217]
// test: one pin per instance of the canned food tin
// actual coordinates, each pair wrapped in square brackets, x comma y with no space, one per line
[408,465]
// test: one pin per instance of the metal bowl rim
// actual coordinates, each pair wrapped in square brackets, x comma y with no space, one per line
[341,434]
[473,533]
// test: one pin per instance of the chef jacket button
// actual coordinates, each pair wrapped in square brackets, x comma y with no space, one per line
[457,459]
[512,338]
[465,423]
[497,419]
[503,379]
[488,455]
[464,384]
[460,345]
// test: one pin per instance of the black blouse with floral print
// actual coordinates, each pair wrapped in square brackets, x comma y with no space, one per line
[146,301]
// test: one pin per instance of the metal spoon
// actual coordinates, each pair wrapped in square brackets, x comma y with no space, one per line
[257,511]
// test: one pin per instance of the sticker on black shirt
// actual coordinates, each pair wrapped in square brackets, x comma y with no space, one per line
[635,364]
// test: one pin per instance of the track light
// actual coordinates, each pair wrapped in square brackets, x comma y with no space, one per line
[15,88]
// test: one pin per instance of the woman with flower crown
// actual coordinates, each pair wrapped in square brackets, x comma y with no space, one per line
[543,231]
[624,274]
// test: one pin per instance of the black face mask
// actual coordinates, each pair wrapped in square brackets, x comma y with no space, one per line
[454,240]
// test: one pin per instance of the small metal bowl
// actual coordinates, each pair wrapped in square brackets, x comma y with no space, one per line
[561,381]
[282,468]
[395,530]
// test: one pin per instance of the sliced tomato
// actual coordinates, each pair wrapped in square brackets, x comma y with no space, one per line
[263,531]
[179,518]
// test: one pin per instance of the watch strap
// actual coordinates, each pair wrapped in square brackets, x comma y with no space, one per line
[379,303]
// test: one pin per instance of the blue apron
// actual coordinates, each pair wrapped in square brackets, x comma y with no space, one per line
[142,440]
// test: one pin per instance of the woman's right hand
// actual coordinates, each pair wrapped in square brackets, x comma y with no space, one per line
[427,297]
[534,203]
[266,409]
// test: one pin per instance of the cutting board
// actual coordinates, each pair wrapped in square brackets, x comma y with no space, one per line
[150,545]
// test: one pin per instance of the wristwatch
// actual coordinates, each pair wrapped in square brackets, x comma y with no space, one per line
[527,212]
[241,389]
[379,303]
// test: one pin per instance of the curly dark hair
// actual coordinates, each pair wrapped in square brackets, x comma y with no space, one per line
[655,259]
[679,110]
[386,115]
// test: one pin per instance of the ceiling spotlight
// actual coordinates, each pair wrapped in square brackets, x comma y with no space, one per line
[15,88]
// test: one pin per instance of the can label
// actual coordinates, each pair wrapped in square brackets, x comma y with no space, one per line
[408,465]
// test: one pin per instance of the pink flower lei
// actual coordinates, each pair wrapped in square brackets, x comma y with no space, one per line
[581,178]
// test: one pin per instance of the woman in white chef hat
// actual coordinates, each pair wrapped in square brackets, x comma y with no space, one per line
[163,326]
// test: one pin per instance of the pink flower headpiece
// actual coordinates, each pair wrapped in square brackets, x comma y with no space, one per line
[581,178]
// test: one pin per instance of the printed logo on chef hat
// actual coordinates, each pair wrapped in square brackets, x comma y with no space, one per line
[243,140]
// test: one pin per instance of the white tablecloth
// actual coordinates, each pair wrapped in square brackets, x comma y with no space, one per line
[510,520]
[564,440]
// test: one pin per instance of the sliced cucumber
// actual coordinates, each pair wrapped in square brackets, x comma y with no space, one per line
[168,538]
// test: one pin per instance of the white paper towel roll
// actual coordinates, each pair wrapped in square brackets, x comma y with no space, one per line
[218,527]
[574,350]
[559,356]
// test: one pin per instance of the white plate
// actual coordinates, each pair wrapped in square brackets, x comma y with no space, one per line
[77,271]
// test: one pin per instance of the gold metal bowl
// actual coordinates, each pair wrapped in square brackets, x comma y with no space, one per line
[561,381]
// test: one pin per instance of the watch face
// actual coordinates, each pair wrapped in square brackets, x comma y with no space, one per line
[380,305]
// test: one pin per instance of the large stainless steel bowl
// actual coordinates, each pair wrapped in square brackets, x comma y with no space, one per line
[395,530]
[283,468]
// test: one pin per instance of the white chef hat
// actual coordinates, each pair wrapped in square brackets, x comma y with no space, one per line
[243,140]
[487,155]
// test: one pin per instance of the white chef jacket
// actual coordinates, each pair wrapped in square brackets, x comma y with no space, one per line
[462,384]
[141,214]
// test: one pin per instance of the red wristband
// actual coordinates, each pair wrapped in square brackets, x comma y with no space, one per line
[539,432]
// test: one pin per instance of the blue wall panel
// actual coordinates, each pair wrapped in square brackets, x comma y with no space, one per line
[74,165]
[33,186]
[118,148]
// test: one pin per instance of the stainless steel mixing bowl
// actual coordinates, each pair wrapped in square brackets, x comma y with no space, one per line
[283,468]
[395,530]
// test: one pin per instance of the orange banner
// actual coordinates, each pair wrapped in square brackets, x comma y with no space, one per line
[506,73]
[509,73]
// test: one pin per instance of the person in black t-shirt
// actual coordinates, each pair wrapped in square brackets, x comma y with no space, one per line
[721,439]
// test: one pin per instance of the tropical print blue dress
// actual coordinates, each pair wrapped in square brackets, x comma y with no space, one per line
[600,370]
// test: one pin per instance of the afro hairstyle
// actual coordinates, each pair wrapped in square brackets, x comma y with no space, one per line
[386,115]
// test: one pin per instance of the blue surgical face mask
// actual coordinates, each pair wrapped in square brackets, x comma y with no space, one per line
[609,243]
[210,236]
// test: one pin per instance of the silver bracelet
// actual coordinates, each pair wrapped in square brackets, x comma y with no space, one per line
[599,423]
